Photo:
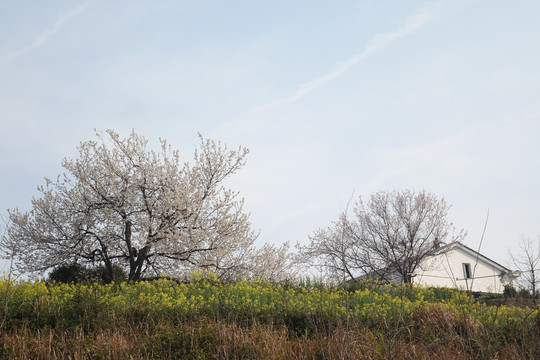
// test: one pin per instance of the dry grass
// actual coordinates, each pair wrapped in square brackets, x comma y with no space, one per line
[230,340]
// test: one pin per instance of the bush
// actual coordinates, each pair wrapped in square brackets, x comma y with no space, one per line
[509,291]
[68,273]
[101,275]
[79,274]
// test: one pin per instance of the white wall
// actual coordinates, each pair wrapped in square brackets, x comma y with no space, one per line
[446,270]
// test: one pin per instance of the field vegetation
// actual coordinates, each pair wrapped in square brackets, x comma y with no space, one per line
[204,318]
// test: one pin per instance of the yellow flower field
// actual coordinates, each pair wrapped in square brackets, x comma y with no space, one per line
[406,313]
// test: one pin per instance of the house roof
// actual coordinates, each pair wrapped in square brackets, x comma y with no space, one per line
[456,244]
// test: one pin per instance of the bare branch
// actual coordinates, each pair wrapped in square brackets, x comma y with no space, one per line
[386,238]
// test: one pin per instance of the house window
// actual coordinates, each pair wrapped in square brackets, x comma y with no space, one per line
[467,271]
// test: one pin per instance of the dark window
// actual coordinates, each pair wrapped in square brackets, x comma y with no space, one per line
[467,271]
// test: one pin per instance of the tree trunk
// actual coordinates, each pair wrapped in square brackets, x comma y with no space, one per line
[109,268]
[135,266]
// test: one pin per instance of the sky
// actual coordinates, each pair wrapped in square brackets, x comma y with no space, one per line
[334,99]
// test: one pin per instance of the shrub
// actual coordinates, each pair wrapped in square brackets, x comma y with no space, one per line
[79,274]
[68,273]
[509,291]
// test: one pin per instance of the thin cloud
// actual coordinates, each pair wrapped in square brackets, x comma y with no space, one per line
[488,146]
[46,35]
[379,41]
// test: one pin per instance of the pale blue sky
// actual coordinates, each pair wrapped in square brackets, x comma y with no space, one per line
[331,97]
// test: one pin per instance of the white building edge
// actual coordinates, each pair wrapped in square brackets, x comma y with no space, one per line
[457,266]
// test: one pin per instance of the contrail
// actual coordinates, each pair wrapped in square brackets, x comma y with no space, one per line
[44,37]
[377,42]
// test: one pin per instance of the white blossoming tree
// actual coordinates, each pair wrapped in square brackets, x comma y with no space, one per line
[120,203]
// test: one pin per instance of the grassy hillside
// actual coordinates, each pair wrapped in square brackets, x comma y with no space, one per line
[205,319]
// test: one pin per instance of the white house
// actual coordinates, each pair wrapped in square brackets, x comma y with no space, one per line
[457,266]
